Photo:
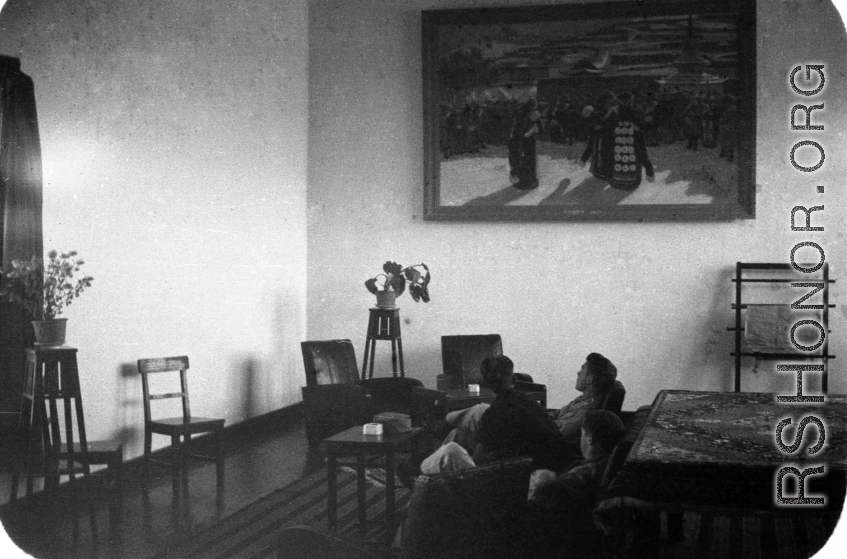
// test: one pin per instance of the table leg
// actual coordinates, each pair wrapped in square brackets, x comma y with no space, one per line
[367,352]
[332,490]
[360,492]
[676,533]
[389,497]
[400,356]
[394,356]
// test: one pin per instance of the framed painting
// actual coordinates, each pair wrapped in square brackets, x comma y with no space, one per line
[599,111]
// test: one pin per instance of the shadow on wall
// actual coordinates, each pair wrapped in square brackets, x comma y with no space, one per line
[411,363]
[287,362]
[244,388]
[716,343]
[130,423]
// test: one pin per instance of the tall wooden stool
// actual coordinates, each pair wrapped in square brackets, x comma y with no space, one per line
[384,324]
[54,423]
[52,374]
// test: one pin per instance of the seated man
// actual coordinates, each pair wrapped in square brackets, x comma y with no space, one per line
[576,488]
[595,379]
[513,425]
[561,516]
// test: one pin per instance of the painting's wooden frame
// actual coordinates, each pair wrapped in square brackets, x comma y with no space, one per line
[741,198]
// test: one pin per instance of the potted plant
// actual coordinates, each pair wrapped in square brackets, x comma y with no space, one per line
[44,291]
[392,283]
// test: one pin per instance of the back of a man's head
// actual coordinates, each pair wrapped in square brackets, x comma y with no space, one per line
[604,427]
[602,372]
[497,372]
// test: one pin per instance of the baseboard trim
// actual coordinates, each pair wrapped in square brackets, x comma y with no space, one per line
[270,421]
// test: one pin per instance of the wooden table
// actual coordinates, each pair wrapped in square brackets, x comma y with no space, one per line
[353,442]
[714,453]
[717,449]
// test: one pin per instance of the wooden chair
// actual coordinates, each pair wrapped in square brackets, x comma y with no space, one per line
[109,454]
[181,428]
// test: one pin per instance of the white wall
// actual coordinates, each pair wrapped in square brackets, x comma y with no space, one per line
[174,154]
[653,297]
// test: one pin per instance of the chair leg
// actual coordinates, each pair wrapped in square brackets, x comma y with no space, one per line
[177,464]
[73,490]
[13,488]
[148,444]
[115,481]
[219,465]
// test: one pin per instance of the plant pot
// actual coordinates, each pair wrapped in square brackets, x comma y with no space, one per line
[50,333]
[386,299]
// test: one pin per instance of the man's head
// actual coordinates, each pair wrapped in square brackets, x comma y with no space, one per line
[601,430]
[597,375]
[496,373]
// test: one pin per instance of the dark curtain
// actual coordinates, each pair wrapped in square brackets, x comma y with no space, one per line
[20,219]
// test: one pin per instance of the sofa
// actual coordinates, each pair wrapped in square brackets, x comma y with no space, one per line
[483,513]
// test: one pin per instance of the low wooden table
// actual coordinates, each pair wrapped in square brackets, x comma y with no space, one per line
[353,442]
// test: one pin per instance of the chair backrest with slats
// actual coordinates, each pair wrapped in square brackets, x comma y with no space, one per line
[165,365]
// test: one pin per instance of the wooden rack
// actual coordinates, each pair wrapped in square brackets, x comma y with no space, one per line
[787,275]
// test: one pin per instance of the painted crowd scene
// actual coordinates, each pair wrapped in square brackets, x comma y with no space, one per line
[589,113]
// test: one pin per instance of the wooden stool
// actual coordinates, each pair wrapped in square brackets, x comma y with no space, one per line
[384,324]
[54,423]
[53,377]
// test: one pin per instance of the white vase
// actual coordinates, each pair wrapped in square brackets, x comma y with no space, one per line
[386,299]
[50,333]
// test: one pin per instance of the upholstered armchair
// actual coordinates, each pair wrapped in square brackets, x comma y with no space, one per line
[475,513]
[334,398]
[462,355]
[614,399]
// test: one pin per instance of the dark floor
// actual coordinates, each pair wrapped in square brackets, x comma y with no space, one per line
[257,464]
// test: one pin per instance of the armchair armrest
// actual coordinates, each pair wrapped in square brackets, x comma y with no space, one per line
[429,410]
[332,408]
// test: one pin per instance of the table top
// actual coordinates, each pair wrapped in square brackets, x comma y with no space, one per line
[465,393]
[735,428]
[719,449]
[355,437]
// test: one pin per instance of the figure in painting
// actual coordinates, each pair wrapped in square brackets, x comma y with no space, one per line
[522,146]
[727,128]
[616,145]
[692,124]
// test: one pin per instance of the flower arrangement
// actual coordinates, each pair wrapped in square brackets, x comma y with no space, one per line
[45,291]
[395,277]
